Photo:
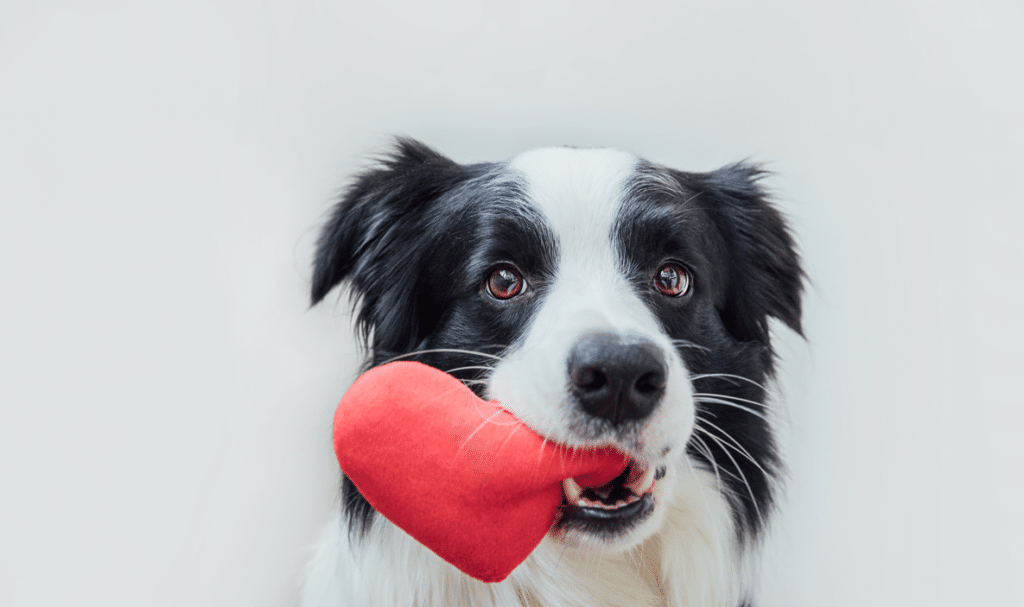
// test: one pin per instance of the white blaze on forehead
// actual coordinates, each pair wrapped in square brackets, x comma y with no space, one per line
[579,192]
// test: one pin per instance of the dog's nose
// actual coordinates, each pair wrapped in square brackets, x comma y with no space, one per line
[617,379]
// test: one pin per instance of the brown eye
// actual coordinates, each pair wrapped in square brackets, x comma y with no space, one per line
[505,282]
[672,280]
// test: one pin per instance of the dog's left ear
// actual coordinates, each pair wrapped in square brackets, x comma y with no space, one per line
[766,278]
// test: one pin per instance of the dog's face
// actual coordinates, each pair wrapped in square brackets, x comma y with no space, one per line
[602,299]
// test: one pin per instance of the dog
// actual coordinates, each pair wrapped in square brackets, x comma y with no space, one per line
[603,300]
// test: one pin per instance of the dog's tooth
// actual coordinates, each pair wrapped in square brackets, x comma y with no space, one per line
[572,490]
[644,483]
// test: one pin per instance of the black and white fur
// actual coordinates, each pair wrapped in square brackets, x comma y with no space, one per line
[417,237]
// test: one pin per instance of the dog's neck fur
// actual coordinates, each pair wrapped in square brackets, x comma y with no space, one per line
[691,562]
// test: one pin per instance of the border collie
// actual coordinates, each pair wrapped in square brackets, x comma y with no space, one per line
[604,300]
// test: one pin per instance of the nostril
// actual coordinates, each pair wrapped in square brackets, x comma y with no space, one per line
[650,383]
[589,379]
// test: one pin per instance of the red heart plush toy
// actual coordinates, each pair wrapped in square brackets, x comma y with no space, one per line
[461,475]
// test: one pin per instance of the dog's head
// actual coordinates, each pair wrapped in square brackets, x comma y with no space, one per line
[604,300]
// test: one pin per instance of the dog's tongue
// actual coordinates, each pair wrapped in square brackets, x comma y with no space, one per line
[461,475]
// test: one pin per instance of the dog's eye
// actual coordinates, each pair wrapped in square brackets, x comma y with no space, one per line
[505,282]
[672,280]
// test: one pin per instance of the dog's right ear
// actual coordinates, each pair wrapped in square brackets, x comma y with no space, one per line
[372,234]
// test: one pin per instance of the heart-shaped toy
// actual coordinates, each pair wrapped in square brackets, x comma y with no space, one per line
[461,475]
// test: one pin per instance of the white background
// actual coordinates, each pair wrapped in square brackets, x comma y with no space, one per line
[166,393]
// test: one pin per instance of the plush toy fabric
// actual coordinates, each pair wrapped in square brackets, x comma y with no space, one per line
[460,474]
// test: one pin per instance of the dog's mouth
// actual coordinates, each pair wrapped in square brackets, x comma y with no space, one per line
[613,508]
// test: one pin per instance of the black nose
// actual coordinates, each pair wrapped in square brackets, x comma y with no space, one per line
[617,379]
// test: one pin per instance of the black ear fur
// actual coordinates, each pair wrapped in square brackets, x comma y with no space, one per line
[767,279]
[372,239]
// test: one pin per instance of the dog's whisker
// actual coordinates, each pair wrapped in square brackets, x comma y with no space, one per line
[738,447]
[482,425]
[729,397]
[693,471]
[443,350]
[750,490]
[706,452]
[469,367]
[685,343]
[717,467]
[474,382]
[540,453]
[719,401]
[728,376]
[509,437]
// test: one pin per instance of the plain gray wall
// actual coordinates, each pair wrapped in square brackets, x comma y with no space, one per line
[167,394]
